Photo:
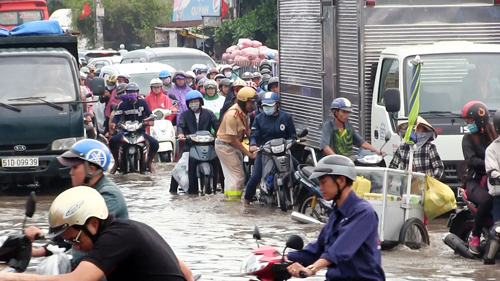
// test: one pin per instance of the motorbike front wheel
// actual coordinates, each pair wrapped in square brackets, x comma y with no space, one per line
[166,157]
[282,199]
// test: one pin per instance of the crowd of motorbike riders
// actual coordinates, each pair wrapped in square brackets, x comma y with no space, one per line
[232,107]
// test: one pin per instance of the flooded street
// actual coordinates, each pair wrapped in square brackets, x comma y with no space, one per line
[213,236]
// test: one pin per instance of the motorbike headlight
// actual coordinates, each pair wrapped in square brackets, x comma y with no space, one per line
[202,139]
[64,144]
[158,115]
[278,149]
[252,264]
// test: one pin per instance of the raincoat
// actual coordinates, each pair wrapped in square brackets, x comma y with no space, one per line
[180,93]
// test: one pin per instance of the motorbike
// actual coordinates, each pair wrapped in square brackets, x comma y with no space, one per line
[277,185]
[15,251]
[163,131]
[267,264]
[202,150]
[311,203]
[133,149]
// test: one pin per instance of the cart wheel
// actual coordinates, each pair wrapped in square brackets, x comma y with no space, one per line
[414,234]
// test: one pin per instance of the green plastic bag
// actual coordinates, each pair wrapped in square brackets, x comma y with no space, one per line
[439,198]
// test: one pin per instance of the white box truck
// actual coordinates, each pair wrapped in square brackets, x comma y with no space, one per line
[358,49]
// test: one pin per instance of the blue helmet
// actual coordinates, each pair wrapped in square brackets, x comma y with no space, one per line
[164,74]
[341,103]
[270,98]
[87,150]
[194,94]
[132,87]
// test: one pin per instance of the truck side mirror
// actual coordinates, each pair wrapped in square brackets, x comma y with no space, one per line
[392,100]
[98,86]
[373,74]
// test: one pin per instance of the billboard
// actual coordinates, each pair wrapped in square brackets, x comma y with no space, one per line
[190,10]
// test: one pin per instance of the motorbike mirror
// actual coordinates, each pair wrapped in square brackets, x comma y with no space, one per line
[31,205]
[295,242]
[256,233]
[98,86]
[172,96]
[387,137]
[302,133]
[392,100]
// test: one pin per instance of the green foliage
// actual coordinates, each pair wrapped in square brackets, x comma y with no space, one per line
[125,21]
[259,24]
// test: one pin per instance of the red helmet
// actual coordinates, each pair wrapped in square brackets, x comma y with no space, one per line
[479,112]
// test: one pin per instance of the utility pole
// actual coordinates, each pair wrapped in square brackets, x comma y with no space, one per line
[99,16]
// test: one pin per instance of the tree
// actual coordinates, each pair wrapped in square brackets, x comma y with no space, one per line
[259,24]
[126,21]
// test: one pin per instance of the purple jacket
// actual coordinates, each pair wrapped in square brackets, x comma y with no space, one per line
[180,93]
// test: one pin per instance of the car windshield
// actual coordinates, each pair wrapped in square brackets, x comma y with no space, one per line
[185,62]
[143,79]
[50,78]
[449,81]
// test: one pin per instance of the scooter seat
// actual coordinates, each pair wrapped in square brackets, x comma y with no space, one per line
[307,170]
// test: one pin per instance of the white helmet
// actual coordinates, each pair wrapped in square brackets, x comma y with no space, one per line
[74,207]
[190,74]
[83,75]
[122,46]
[210,84]
[155,82]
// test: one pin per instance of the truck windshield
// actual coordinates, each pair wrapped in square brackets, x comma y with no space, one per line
[449,81]
[50,78]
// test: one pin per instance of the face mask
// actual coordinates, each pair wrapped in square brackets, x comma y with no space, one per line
[228,74]
[111,87]
[422,138]
[124,97]
[190,84]
[194,106]
[268,110]
[167,81]
[132,97]
[472,128]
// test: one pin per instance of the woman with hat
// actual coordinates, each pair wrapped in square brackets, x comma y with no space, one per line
[425,158]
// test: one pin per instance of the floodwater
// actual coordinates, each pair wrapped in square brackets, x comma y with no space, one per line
[213,236]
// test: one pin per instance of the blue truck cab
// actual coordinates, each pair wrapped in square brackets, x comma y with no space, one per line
[41,110]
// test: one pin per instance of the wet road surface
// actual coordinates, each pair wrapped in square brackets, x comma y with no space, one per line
[214,236]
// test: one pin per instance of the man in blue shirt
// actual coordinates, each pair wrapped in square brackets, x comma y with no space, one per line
[133,109]
[273,123]
[348,245]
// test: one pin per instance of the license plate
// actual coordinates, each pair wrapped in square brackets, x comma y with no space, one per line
[15,162]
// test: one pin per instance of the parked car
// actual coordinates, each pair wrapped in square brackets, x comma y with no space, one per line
[139,73]
[179,58]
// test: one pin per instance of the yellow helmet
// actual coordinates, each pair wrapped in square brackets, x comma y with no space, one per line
[112,79]
[239,83]
[247,94]
[74,207]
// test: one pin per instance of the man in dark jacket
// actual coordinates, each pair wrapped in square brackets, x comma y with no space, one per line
[195,119]
[273,123]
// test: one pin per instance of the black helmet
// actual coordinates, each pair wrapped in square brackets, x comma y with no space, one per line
[221,76]
[264,80]
[121,88]
[479,112]
[247,75]
[273,80]
[132,87]
[496,121]
[260,97]
[265,64]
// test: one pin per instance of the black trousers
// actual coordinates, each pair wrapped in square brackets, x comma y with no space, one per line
[479,196]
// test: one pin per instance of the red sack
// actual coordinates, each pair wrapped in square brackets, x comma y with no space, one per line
[250,53]
[256,61]
[236,53]
[241,60]
[231,49]
[256,44]
[263,53]
[225,56]
[244,43]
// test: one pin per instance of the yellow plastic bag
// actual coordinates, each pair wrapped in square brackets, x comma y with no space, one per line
[439,198]
[361,186]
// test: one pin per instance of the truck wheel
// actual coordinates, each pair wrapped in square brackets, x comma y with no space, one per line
[414,234]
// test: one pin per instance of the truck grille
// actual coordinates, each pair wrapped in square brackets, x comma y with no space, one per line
[10,147]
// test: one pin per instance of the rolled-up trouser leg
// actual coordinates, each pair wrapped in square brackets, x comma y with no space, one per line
[231,160]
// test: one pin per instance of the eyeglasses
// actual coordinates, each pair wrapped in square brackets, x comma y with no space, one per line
[75,240]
